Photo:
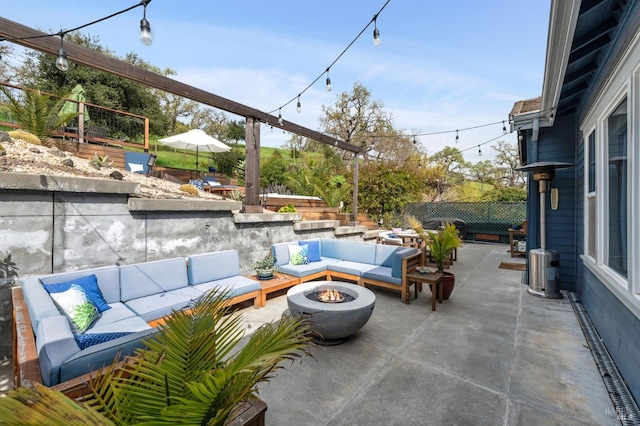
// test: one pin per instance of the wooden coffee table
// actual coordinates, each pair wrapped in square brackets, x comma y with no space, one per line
[434,280]
[278,282]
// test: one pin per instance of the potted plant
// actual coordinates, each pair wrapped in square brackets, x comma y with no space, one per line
[265,267]
[440,244]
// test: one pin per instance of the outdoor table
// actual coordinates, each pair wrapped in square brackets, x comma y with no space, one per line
[434,280]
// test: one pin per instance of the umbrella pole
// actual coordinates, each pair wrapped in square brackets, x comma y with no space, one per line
[196,158]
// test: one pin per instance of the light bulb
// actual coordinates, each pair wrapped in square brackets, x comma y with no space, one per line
[479,151]
[298,106]
[279,117]
[61,62]
[328,84]
[376,37]
[504,128]
[145,32]
[457,137]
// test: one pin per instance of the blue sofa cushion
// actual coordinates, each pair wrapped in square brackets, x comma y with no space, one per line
[351,268]
[90,339]
[89,284]
[313,248]
[385,254]
[236,286]
[213,266]
[55,344]
[101,355]
[396,268]
[381,273]
[149,278]
[281,252]
[108,278]
[160,305]
[302,271]
[118,312]
[349,250]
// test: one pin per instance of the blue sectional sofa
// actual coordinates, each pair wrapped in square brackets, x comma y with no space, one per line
[133,299]
[368,264]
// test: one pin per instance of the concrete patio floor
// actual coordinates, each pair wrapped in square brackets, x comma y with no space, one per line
[490,355]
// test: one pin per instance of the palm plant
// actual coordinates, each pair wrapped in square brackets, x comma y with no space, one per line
[441,243]
[37,113]
[193,371]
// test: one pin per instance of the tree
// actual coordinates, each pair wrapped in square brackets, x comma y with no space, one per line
[505,194]
[274,171]
[384,190]
[38,71]
[506,161]
[357,120]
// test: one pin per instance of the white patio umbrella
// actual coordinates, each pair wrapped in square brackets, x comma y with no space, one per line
[195,139]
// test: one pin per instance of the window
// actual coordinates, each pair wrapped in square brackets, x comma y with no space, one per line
[591,195]
[617,188]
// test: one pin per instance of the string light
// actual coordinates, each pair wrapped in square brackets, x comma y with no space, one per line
[479,151]
[145,28]
[280,116]
[376,32]
[328,81]
[61,61]
[298,106]
[457,137]
[504,128]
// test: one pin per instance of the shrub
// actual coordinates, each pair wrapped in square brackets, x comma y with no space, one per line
[289,208]
[100,161]
[189,189]
[25,136]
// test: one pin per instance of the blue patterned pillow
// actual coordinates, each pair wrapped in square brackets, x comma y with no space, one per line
[313,249]
[298,255]
[90,339]
[76,305]
[89,285]
[198,183]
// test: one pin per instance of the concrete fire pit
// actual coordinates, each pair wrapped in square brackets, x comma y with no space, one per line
[335,322]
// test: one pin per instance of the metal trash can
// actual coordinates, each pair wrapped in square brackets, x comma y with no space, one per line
[544,273]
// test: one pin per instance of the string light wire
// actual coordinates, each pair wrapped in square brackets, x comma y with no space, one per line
[334,61]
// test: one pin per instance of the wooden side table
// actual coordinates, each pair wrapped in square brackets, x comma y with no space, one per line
[278,282]
[434,280]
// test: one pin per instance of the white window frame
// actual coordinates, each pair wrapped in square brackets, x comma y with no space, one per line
[624,82]
[588,195]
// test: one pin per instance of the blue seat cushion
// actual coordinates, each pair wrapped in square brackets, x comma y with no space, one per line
[160,305]
[208,267]
[351,268]
[236,286]
[302,271]
[381,273]
[148,278]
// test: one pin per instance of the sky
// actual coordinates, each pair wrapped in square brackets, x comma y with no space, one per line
[440,66]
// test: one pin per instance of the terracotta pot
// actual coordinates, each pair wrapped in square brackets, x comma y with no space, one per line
[448,281]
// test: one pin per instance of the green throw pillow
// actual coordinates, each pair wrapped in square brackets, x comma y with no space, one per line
[298,255]
[77,307]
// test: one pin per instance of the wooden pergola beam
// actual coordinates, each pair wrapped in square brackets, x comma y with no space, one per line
[20,34]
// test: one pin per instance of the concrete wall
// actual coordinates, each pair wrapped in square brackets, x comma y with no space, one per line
[49,227]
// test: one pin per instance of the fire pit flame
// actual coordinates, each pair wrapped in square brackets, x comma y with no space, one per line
[331,296]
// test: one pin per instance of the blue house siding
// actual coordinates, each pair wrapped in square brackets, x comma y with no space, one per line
[556,144]
[618,327]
